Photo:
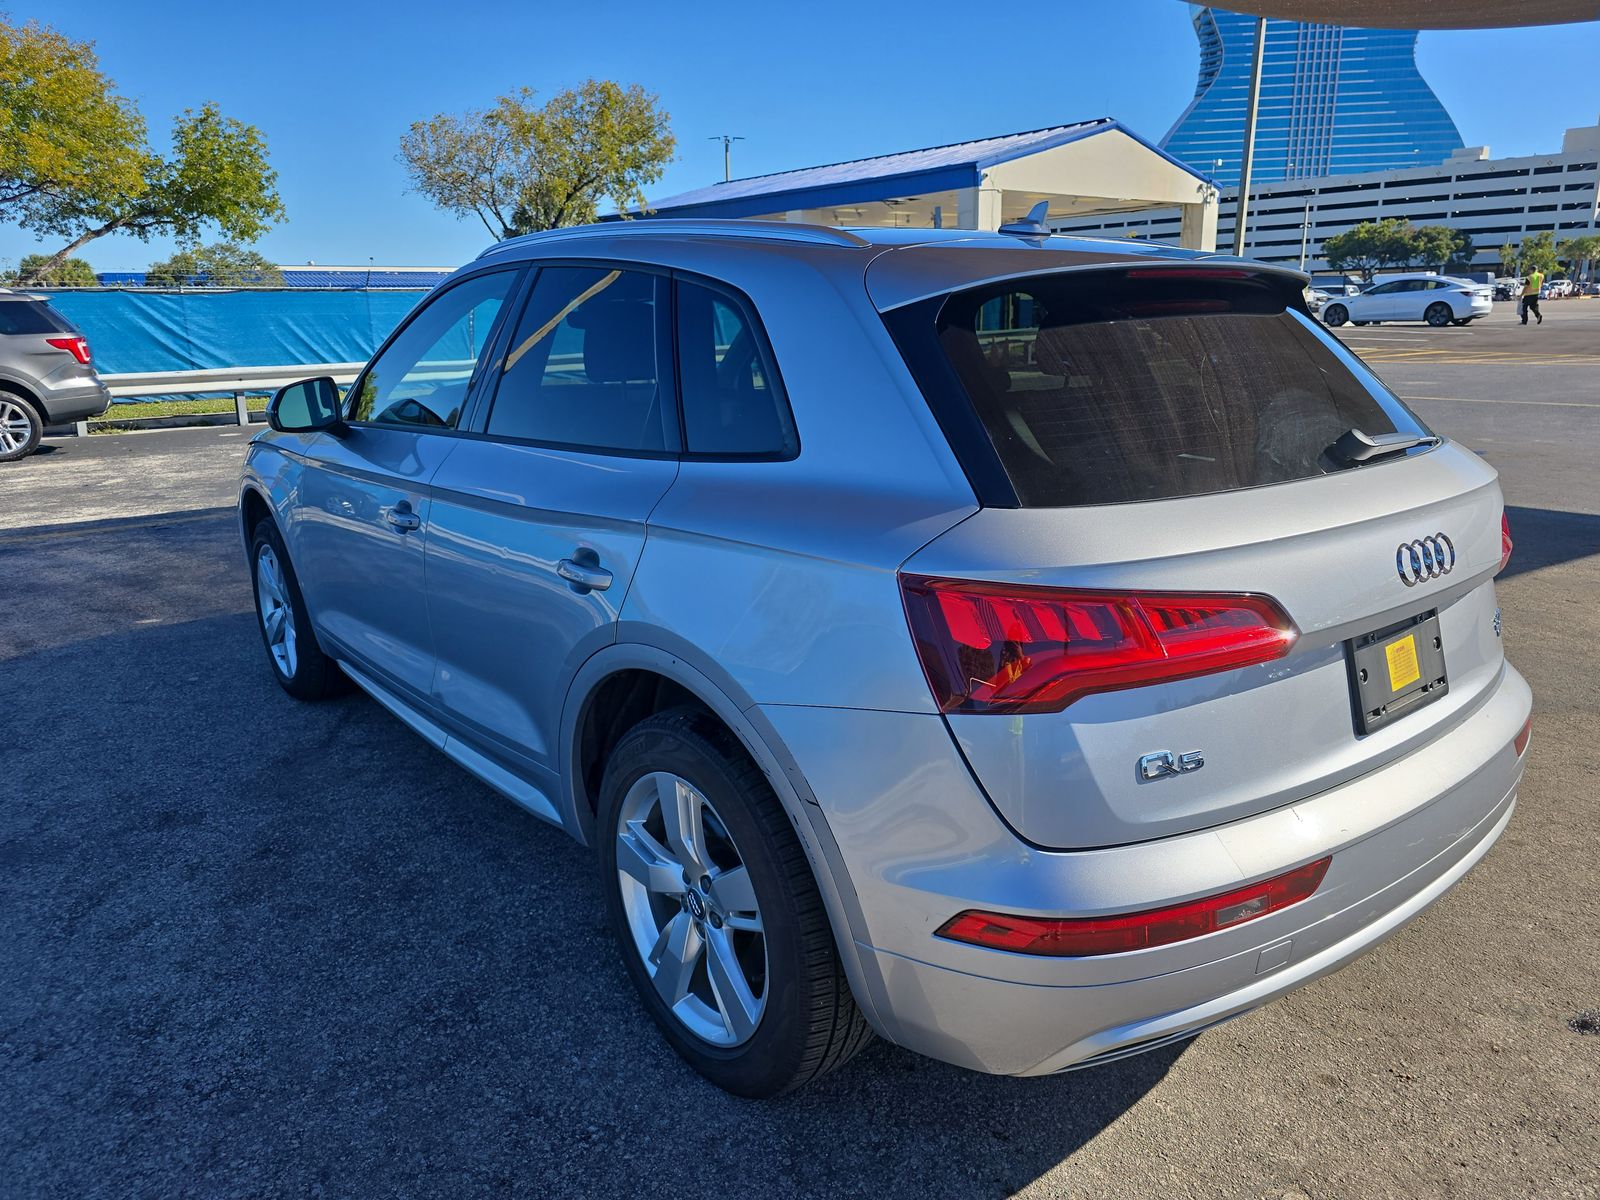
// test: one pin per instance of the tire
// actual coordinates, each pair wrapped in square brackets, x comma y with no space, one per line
[297,662]
[788,1016]
[1336,315]
[1438,315]
[20,427]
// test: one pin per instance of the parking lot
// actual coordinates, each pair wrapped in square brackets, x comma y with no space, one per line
[252,947]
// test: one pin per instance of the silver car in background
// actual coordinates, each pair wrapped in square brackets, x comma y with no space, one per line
[1032,649]
[47,375]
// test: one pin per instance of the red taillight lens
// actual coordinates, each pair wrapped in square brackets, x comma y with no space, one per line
[1520,742]
[1082,937]
[76,346]
[1004,648]
[1505,543]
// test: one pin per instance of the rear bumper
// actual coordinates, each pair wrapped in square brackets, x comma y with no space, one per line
[1096,1024]
[77,402]
[916,843]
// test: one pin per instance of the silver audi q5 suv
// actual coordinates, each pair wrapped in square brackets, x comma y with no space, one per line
[1031,649]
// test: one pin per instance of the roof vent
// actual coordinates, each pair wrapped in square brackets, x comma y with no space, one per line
[1032,225]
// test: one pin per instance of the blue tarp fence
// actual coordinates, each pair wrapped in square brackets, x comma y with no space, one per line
[193,331]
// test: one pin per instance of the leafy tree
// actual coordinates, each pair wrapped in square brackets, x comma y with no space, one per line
[63,132]
[1440,246]
[520,167]
[1579,252]
[74,272]
[1538,253]
[221,264]
[1508,259]
[216,174]
[1371,246]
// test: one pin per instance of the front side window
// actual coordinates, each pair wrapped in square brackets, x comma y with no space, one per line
[421,378]
[732,404]
[586,367]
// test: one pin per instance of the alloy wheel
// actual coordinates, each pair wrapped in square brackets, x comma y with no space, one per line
[691,909]
[277,616]
[15,427]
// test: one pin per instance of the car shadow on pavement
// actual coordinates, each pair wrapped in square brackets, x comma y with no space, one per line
[1544,537]
[257,946]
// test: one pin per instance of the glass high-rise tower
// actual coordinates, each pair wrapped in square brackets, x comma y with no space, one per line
[1333,101]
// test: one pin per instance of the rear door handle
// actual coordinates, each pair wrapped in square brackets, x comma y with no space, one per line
[402,518]
[586,577]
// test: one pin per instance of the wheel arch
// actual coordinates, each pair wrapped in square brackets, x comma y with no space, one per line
[9,383]
[707,685]
[253,506]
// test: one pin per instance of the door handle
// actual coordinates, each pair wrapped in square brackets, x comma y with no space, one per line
[584,576]
[402,518]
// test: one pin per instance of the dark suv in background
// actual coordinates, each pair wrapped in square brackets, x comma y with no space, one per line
[46,375]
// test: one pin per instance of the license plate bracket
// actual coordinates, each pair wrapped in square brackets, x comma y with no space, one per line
[1396,670]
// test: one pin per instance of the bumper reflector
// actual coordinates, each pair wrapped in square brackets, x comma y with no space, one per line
[1082,937]
[1520,742]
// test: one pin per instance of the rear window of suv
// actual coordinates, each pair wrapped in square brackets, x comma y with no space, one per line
[1145,384]
[31,316]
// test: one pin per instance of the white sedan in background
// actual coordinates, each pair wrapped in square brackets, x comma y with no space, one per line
[1437,299]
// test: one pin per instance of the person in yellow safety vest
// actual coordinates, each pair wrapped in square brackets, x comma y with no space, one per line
[1530,295]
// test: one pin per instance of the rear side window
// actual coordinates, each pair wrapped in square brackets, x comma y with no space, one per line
[31,316]
[732,403]
[1147,384]
[587,366]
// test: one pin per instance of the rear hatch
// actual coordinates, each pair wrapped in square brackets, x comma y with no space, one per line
[1219,567]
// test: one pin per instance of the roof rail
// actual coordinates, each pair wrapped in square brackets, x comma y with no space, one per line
[771,231]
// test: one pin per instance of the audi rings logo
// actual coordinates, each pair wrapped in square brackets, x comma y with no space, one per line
[1426,558]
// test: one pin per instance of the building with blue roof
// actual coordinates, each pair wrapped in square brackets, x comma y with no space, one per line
[1083,169]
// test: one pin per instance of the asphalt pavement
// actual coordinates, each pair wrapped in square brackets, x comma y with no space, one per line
[250,947]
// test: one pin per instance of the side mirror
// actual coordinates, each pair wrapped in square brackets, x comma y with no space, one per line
[310,406]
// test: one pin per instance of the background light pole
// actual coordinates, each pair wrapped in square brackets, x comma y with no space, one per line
[727,140]
[1249,139]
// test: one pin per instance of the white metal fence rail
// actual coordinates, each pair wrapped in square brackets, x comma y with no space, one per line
[238,381]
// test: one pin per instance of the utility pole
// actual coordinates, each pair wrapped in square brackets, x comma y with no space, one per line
[727,140]
[1249,139]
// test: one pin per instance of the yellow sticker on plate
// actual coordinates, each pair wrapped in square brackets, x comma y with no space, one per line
[1403,668]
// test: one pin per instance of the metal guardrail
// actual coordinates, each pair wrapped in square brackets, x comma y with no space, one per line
[240,381]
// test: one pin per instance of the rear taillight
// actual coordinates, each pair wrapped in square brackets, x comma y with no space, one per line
[76,345]
[1505,543]
[1081,937]
[1005,648]
[1520,742]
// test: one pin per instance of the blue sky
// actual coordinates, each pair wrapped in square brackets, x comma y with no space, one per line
[334,84]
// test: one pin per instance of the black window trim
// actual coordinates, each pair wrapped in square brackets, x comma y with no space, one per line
[516,270]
